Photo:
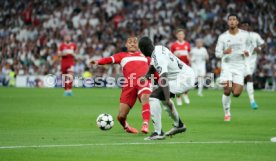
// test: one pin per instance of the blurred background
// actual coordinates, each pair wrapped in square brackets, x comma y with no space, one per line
[31,30]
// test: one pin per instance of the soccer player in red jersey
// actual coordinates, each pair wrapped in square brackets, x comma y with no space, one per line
[67,51]
[134,65]
[181,49]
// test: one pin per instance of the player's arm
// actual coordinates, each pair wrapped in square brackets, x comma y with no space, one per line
[260,45]
[220,48]
[206,55]
[114,59]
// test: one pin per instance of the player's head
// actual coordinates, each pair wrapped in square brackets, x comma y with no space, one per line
[180,34]
[146,46]
[233,21]
[67,38]
[245,25]
[132,44]
[199,43]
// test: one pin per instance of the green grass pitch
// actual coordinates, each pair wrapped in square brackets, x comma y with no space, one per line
[42,125]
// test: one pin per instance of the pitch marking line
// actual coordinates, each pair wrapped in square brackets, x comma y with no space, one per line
[135,143]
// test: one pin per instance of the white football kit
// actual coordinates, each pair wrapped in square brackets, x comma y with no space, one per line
[233,64]
[251,61]
[199,57]
[181,77]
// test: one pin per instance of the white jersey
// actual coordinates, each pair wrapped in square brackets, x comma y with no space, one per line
[255,41]
[239,43]
[165,62]
[181,77]
[199,57]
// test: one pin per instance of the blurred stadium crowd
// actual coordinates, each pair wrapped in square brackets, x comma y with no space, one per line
[30,31]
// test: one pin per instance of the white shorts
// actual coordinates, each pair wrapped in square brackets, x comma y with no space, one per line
[199,72]
[250,68]
[234,76]
[183,83]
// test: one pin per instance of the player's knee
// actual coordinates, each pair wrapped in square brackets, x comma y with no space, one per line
[144,98]
[121,117]
[236,94]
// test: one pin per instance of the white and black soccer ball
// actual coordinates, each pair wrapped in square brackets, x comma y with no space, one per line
[105,121]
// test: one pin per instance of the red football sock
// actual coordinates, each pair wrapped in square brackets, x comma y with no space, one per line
[65,85]
[122,121]
[146,112]
[70,85]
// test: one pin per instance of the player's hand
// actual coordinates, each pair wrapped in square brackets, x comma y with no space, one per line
[227,51]
[257,50]
[246,53]
[94,62]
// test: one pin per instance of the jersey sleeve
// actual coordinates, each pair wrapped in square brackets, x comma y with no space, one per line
[160,60]
[260,41]
[248,45]
[114,59]
[219,47]
[206,54]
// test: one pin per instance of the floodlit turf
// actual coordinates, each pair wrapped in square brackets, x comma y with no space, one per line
[65,128]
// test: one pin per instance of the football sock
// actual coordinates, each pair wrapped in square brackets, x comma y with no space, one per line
[226,101]
[146,112]
[250,91]
[172,113]
[200,86]
[156,111]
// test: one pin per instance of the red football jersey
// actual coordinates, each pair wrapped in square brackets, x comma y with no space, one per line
[133,64]
[68,51]
[182,49]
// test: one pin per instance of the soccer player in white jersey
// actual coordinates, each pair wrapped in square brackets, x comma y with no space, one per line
[232,47]
[257,44]
[175,77]
[199,56]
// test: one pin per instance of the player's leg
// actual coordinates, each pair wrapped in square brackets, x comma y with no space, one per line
[186,98]
[178,100]
[122,117]
[143,91]
[67,78]
[250,91]
[127,100]
[187,83]
[201,81]
[145,112]
[71,79]
[200,86]
[226,100]
[156,112]
[237,89]
[238,81]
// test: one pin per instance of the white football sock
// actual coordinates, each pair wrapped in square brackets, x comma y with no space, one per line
[250,91]
[200,86]
[186,98]
[156,112]
[226,102]
[173,114]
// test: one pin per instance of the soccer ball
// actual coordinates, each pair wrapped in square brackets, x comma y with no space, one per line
[105,121]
